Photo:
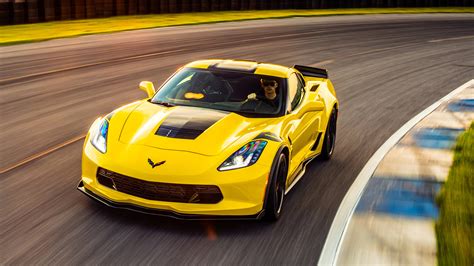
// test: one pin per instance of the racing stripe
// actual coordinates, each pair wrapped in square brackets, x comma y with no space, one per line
[188,122]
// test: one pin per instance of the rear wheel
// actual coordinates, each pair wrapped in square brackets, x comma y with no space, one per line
[276,192]
[330,137]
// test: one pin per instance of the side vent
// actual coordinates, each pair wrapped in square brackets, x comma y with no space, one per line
[314,88]
[316,143]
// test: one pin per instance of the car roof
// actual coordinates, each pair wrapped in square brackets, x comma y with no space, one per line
[246,66]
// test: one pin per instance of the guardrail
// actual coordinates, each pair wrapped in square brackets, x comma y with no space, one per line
[31,11]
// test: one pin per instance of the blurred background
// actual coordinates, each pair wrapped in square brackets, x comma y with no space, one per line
[29,11]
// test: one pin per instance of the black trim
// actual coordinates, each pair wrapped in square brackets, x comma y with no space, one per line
[268,136]
[166,213]
[316,143]
[312,71]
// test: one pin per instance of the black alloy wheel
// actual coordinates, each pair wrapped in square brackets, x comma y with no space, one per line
[330,137]
[276,193]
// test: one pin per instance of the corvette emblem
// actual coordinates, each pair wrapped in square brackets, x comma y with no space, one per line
[153,165]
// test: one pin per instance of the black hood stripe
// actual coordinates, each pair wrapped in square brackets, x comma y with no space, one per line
[188,122]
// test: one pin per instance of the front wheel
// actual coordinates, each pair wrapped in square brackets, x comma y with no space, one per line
[276,192]
[330,137]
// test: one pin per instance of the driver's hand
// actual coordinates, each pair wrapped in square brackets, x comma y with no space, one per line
[252,97]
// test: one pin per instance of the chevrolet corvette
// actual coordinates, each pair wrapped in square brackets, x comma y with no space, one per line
[220,139]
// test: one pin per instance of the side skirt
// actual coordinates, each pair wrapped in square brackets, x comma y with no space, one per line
[301,172]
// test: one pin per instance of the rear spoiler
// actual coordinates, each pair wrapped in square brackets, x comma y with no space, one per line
[312,71]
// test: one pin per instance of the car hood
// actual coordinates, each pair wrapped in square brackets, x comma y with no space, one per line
[192,129]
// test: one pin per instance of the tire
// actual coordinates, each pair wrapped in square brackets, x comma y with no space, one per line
[276,192]
[330,137]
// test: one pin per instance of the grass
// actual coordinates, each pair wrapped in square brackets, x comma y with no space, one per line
[14,34]
[455,226]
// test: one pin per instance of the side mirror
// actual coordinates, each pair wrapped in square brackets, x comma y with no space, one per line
[315,106]
[147,86]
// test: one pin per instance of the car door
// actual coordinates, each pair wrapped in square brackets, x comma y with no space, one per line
[304,127]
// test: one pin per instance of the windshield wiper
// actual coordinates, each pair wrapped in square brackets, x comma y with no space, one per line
[167,104]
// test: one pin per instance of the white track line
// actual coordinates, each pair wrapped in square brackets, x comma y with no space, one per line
[453,39]
[41,154]
[338,228]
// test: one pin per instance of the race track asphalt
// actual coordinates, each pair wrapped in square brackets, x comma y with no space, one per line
[386,69]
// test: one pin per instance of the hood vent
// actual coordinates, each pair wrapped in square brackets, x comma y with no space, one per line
[188,122]
[179,133]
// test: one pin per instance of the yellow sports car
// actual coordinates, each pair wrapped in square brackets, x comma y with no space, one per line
[219,139]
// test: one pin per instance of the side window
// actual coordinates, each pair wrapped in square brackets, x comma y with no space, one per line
[301,79]
[295,91]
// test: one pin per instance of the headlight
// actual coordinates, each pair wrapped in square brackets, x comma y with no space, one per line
[245,156]
[99,138]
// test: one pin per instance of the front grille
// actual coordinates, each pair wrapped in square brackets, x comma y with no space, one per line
[159,191]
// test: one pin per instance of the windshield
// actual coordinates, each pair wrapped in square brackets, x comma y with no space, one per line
[223,90]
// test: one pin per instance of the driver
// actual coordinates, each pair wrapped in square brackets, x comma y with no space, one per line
[266,103]
[270,89]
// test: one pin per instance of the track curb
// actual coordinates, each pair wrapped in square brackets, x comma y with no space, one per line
[331,248]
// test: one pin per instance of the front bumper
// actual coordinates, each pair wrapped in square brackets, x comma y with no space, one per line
[243,190]
[166,213]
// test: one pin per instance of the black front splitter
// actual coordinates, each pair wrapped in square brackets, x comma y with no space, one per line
[166,213]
